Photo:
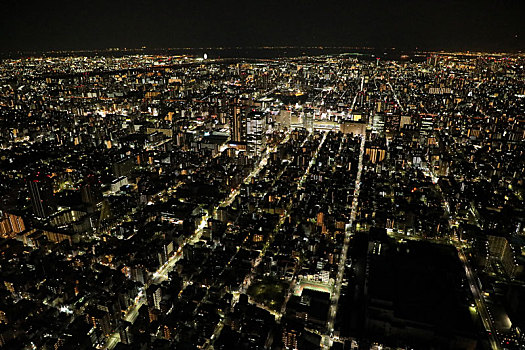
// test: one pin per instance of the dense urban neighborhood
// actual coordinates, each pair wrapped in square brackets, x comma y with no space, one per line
[342,201]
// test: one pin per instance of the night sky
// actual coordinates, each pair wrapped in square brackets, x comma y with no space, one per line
[404,24]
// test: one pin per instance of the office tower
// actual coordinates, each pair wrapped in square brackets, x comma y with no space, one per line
[237,130]
[255,133]
[427,123]
[308,121]
[42,197]
[378,123]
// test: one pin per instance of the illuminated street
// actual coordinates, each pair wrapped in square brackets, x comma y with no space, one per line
[263,197]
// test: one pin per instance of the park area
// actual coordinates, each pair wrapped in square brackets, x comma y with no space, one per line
[269,292]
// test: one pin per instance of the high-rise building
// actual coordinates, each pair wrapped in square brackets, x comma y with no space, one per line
[427,123]
[291,334]
[237,129]
[255,133]
[290,339]
[42,197]
[125,332]
[123,167]
[501,249]
[90,190]
[157,297]
[405,120]
[375,153]
[378,123]
[10,225]
[99,319]
[284,118]
[308,121]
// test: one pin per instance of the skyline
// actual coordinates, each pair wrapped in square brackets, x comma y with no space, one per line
[313,202]
[277,175]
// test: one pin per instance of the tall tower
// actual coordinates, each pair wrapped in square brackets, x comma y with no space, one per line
[255,133]
[236,124]
[42,197]
[308,120]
